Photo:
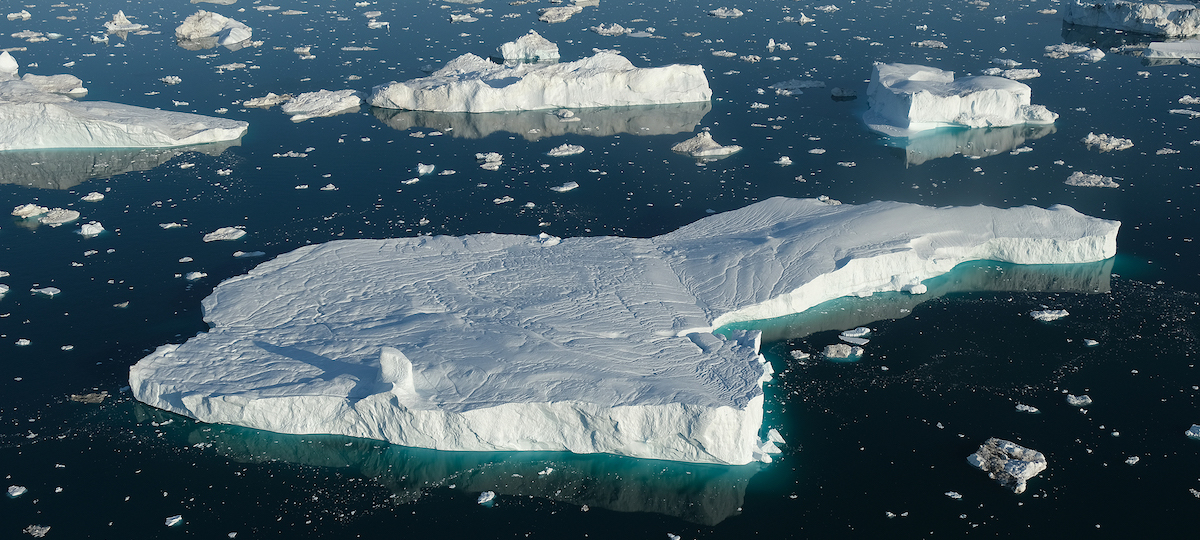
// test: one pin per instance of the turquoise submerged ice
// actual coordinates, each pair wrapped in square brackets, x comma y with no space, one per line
[601,344]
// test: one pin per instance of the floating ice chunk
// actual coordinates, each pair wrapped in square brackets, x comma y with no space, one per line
[1185,112]
[1064,50]
[614,30]
[841,351]
[1106,143]
[1021,407]
[27,211]
[565,150]
[267,101]
[954,495]
[203,26]
[490,161]
[92,229]
[174,520]
[36,531]
[799,355]
[565,187]
[725,54]
[331,187]
[859,332]
[1192,432]
[193,276]
[1158,18]
[774,436]
[840,93]
[1049,314]
[610,338]
[1079,401]
[3,289]
[225,233]
[830,8]
[1189,100]
[703,146]
[58,216]
[1189,49]
[1006,63]
[91,399]
[171,225]
[16,491]
[22,15]
[486,498]
[23,342]
[1082,179]
[120,23]
[248,254]
[8,65]
[531,47]
[1091,55]
[726,13]
[558,14]
[783,161]
[1008,463]
[47,291]
[424,169]
[1014,74]
[472,84]
[463,17]
[322,103]
[1132,460]
[795,86]
[1090,342]
[907,98]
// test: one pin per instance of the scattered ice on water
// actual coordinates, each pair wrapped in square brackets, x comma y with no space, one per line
[1008,463]
[36,531]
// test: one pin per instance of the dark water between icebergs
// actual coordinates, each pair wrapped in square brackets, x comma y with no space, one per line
[863,441]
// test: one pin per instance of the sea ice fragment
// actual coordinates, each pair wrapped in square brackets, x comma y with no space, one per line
[29,210]
[1106,143]
[91,229]
[726,13]
[565,150]
[1079,401]
[205,25]
[120,23]
[1193,432]
[1008,463]
[1047,315]
[703,146]
[486,498]
[1082,179]
[322,103]
[58,216]
[841,351]
[36,531]
[1021,407]
[94,196]
[174,520]
[225,233]
[16,491]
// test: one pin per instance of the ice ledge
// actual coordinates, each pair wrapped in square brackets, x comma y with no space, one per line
[1156,18]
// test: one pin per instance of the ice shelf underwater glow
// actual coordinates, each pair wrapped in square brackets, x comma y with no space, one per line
[598,344]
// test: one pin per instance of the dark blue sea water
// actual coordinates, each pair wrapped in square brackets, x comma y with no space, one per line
[863,441]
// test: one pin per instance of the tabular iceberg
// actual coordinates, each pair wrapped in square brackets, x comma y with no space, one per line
[473,84]
[907,98]
[603,344]
[1158,18]
[36,112]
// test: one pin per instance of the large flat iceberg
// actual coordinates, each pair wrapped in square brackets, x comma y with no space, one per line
[36,112]
[601,344]
[1157,18]
[473,84]
[908,98]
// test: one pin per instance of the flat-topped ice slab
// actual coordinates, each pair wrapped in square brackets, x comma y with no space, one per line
[1156,18]
[473,84]
[601,344]
[907,98]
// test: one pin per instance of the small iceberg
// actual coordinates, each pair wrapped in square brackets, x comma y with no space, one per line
[225,233]
[531,47]
[486,498]
[841,351]
[1008,463]
[1082,179]
[565,150]
[703,146]
[1079,401]
[1048,315]
[205,30]
[322,103]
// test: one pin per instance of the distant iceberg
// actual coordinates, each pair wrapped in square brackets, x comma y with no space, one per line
[473,84]
[36,112]
[1157,18]
[908,98]
[205,30]
[598,344]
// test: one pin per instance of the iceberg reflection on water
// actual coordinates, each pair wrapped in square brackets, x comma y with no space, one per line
[982,142]
[535,125]
[65,168]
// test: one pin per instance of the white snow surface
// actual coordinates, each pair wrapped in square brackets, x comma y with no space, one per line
[531,47]
[565,150]
[908,98]
[1082,179]
[598,344]
[1047,315]
[1009,463]
[1158,18]
[206,24]
[321,103]
[473,84]
[36,112]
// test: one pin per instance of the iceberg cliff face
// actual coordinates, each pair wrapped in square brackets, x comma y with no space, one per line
[35,112]
[473,84]
[605,344]
[907,98]
[1157,18]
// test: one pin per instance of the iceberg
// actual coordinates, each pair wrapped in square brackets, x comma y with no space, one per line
[321,103]
[473,84]
[1079,401]
[36,112]
[1173,50]
[908,98]
[1157,18]
[703,146]
[1193,432]
[1008,463]
[588,345]
[1047,315]
[1082,179]
[205,30]
[531,47]
[120,25]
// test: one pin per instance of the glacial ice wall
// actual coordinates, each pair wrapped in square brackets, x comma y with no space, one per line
[1156,18]
[601,344]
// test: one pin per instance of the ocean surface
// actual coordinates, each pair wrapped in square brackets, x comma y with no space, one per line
[873,445]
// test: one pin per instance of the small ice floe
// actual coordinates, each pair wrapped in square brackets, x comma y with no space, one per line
[27,211]
[565,187]
[1091,55]
[817,151]
[1189,100]
[613,30]
[92,229]
[1008,463]
[23,342]
[1047,315]
[558,14]
[929,44]
[1079,401]
[248,254]
[171,225]
[171,80]
[22,15]
[726,13]
[772,45]
[751,58]
[46,291]
[954,495]
[486,498]
[91,399]
[174,520]
[1106,143]
[827,8]
[546,471]
[58,216]
[841,351]
[1132,460]
[799,355]
[502,200]
[1005,63]
[565,150]
[1193,432]
[322,103]
[1014,74]
[1021,407]
[193,276]
[783,161]
[795,86]
[843,94]
[36,531]
[1185,112]
[724,54]
[423,169]
[16,491]
[1082,179]
[1090,342]
[305,53]
[225,233]
[490,161]
[94,196]
[270,100]
[328,187]
[703,146]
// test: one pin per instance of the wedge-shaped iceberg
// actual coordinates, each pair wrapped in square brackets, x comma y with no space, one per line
[1157,18]
[602,344]
[35,113]
[907,98]
[473,84]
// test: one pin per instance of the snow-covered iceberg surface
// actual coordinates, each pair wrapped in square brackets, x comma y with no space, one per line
[602,344]
[1008,463]
[908,98]
[1157,18]
[641,120]
[205,30]
[36,112]
[531,47]
[473,84]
